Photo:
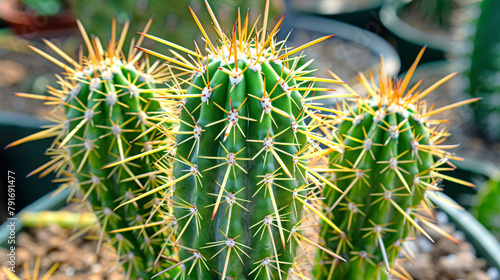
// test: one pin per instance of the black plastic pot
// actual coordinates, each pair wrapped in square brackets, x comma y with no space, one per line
[409,40]
[22,160]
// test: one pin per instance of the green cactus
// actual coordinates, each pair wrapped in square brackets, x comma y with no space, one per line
[240,176]
[484,69]
[103,110]
[385,171]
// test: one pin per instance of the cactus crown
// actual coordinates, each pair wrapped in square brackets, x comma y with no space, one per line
[387,168]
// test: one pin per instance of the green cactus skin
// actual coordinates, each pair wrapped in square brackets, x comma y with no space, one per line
[106,106]
[384,172]
[484,69]
[240,172]
[242,168]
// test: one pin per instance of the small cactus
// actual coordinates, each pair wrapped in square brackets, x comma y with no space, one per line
[102,112]
[384,173]
[240,178]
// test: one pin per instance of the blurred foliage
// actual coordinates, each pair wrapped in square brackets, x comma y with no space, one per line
[487,209]
[44,7]
[172,19]
[484,71]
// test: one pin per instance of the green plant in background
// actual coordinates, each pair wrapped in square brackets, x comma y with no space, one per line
[387,167]
[101,112]
[484,70]
[487,206]
[240,178]
[44,7]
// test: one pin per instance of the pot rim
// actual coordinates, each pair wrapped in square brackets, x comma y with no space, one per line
[10,12]
[389,17]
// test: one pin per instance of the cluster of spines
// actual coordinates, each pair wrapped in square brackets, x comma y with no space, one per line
[102,112]
[384,173]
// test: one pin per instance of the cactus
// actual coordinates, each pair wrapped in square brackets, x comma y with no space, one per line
[483,71]
[102,111]
[384,173]
[240,177]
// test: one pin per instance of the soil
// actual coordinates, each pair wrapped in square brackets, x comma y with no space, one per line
[444,260]
[78,259]
[76,253]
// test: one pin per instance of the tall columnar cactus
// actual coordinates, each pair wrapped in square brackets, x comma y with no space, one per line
[102,111]
[388,165]
[484,69]
[240,176]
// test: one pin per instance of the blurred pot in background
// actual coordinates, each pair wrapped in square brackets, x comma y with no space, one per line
[351,50]
[360,13]
[33,19]
[437,24]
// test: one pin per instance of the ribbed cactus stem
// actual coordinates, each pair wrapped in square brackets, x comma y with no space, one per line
[386,168]
[239,161]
